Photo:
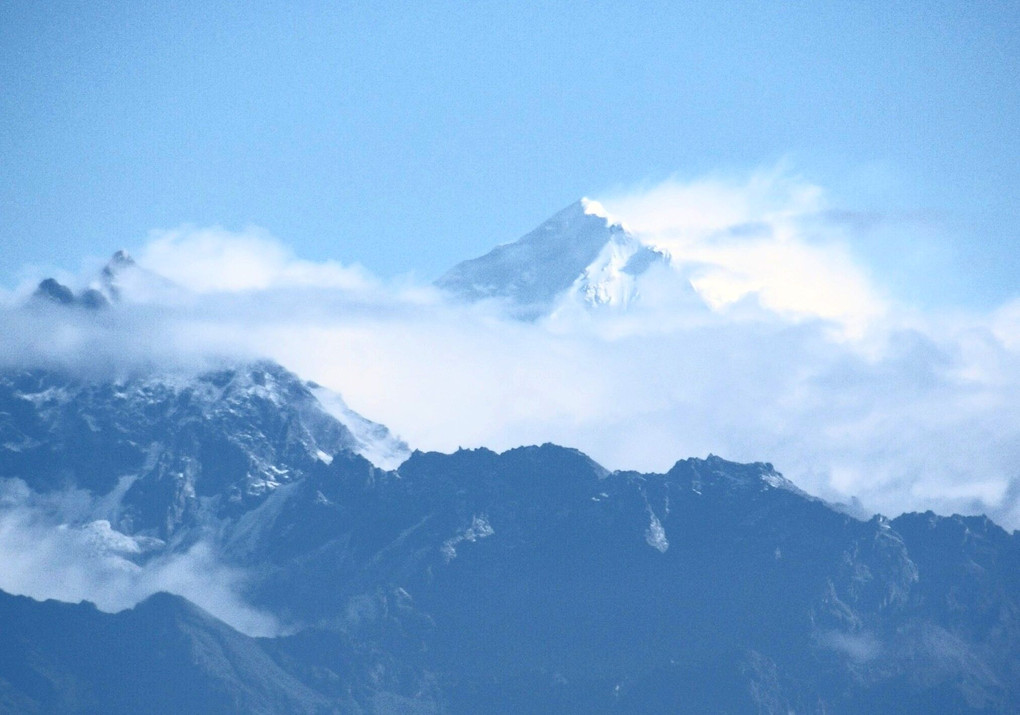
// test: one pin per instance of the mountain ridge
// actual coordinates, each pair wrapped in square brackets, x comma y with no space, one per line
[534,579]
[166,441]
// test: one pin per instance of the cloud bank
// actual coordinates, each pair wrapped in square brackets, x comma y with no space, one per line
[767,339]
[51,548]
[763,236]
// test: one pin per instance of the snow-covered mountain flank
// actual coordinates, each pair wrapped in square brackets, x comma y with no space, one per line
[577,255]
[168,450]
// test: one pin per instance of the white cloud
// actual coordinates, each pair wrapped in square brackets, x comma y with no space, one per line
[1005,324]
[860,647]
[918,422]
[757,236]
[211,260]
[690,211]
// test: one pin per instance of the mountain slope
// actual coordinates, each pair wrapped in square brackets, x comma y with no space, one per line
[536,580]
[164,655]
[168,450]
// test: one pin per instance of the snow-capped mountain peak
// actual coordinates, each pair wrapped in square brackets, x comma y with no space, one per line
[581,250]
[586,263]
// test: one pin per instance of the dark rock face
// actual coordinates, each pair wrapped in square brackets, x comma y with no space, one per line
[51,290]
[164,655]
[535,580]
[101,294]
[528,581]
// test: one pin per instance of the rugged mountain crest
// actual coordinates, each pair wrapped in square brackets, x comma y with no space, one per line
[51,290]
[173,450]
[532,580]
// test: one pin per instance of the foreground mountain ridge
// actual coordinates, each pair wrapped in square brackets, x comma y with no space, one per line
[532,580]
[536,580]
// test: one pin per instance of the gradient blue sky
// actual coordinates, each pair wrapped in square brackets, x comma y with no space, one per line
[410,136]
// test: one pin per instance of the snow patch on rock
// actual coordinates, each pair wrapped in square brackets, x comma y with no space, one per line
[655,534]
[480,528]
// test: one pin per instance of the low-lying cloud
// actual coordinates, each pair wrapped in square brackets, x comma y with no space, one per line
[771,342]
[51,548]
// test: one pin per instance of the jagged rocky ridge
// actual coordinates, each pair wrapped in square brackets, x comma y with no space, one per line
[101,293]
[533,580]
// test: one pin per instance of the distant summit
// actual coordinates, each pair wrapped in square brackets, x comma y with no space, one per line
[99,294]
[579,254]
[534,269]
[51,289]
[123,279]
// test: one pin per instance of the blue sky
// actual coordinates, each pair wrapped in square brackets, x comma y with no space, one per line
[409,137]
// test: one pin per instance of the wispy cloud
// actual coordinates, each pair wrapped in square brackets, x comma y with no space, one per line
[760,237]
[213,260]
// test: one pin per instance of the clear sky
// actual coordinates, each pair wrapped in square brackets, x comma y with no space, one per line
[408,136]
